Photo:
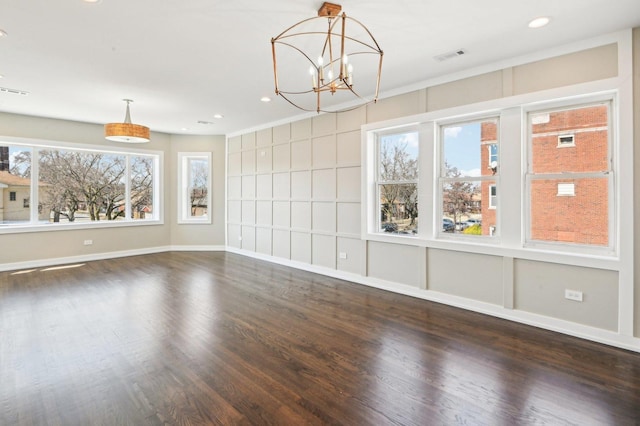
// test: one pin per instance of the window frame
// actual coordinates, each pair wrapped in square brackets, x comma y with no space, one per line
[611,100]
[379,182]
[35,225]
[510,236]
[184,159]
[491,238]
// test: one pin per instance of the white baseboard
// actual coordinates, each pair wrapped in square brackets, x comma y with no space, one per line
[594,334]
[43,263]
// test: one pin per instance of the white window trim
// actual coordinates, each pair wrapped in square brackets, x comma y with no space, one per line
[183,190]
[34,226]
[511,241]
[441,124]
[612,249]
[378,182]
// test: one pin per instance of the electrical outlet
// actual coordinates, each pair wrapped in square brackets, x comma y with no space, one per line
[88,242]
[573,295]
[342,255]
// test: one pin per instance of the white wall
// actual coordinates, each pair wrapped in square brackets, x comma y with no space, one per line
[33,248]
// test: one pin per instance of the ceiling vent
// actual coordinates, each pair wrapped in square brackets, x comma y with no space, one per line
[449,55]
[13,91]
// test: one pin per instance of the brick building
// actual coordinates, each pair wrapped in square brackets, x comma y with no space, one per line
[569,194]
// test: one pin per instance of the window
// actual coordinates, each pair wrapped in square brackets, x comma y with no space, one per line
[566,190]
[493,198]
[570,191]
[468,176]
[566,141]
[194,170]
[12,196]
[397,182]
[73,185]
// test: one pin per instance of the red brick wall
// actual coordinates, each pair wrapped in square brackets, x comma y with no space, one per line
[582,218]
[488,135]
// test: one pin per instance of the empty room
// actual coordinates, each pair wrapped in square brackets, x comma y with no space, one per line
[359,213]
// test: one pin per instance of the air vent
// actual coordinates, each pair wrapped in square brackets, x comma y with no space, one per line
[205,122]
[449,55]
[13,91]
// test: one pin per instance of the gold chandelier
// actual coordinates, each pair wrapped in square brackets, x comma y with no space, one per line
[342,66]
[127,131]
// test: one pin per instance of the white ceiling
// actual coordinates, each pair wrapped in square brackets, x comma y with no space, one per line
[184,61]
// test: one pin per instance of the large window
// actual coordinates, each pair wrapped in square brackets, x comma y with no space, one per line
[397,182]
[570,189]
[78,186]
[469,171]
[527,176]
[194,170]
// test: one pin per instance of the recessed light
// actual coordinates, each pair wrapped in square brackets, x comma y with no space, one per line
[539,22]
[184,129]
[3,33]
[218,116]
[265,99]
[92,1]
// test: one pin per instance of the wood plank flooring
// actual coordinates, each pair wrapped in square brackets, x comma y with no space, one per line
[217,338]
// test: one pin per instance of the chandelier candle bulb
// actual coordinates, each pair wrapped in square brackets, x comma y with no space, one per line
[314,78]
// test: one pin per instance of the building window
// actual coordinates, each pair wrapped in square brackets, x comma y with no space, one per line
[468,176]
[566,190]
[493,197]
[397,182]
[83,186]
[566,141]
[12,196]
[194,174]
[571,192]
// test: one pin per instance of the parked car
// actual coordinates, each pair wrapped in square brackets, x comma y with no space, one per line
[448,225]
[461,226]
[471,222]
[389,227]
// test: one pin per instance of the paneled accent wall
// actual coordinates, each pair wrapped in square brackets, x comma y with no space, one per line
[294,191]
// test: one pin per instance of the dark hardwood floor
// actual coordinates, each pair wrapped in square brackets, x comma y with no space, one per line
[217,338]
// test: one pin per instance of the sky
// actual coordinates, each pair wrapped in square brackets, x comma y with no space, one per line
[462,148]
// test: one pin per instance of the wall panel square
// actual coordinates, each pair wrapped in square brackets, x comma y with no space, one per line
[323,217]
[324,151]
[323,251]
[281,214]
[349,183]
[300,185]
[324,184]
[281,186]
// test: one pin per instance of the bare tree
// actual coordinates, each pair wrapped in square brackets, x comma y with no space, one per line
[76,179]
[141,185]
[457,194]
[198,185]
[397,165]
